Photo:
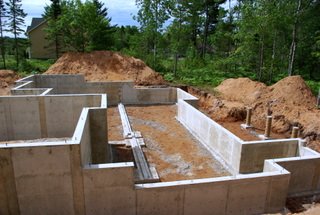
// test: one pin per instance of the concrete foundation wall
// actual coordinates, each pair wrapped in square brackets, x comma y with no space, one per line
[117,92]
[305,175]
[190,99]
[109,189]
[33,117]
[253,194]
[253,154]
[217,139]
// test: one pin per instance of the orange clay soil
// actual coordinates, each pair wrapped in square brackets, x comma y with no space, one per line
[106,66]
[115,132]
[170,147]
[7,79]
[290,101]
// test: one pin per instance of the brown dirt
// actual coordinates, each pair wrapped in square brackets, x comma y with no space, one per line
[290,101]
[170,147]
[106,66]
[7,79]
[115,132]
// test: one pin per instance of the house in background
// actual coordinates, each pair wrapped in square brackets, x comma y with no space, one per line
[40,47]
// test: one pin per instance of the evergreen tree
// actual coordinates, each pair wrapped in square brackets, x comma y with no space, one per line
[52,14]
[101,10]
[3,14]
[16,17]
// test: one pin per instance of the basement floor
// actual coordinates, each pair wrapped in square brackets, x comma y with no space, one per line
[170,148]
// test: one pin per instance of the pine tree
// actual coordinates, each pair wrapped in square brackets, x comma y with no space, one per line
[52,14]
[101,10]
[16,17]
[3,13]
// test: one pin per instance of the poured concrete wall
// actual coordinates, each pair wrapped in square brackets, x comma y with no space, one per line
[190,99]
[253,154]
[33,117]
[109,189]
[123,91]
[305,175]
[40,180]
[217,139]
[253,194]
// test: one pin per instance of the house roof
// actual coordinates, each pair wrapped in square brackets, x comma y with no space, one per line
[35,23]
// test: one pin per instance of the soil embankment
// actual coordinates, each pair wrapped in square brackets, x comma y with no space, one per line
[106,66]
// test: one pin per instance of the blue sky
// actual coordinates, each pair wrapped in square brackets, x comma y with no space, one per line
[121,11]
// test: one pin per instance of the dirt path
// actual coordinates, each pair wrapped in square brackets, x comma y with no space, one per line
[170,147]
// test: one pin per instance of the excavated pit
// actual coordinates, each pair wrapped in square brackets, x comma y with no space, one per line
[170,148]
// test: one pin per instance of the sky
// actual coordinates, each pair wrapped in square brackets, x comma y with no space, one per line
[121,11]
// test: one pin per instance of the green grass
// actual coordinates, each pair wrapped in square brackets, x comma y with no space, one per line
[27,66]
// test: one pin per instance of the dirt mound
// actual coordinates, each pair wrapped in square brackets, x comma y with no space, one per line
[290,101]
[7,79]
[291,91]
[241,89]
[106,66]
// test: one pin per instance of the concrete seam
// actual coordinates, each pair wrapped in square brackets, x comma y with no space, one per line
[43,117]
[268,194]
[183,199]
[15,186]
[9,121]
[227,200]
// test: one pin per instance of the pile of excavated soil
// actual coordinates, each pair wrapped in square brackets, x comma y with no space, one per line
[106,66]
[290,101]
[7,79]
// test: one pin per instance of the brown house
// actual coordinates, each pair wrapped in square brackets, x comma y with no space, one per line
[40,47]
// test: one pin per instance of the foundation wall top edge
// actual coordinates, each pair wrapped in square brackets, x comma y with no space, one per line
[25,78]
[109,166]
[211,180]
[297,158]
[54,95]
[272,141]
[38,144]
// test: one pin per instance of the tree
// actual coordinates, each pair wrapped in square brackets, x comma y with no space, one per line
[152,15]
[211,13]
[3,13]
[81,26]
[16,17]
[52,14]
[101,10]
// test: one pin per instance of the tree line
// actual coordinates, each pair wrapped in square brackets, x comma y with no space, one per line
[196,41]
[203,42]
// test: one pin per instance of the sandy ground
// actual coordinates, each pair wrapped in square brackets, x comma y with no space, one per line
[7,79]
[170,147]
[106,66]
[115,131]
